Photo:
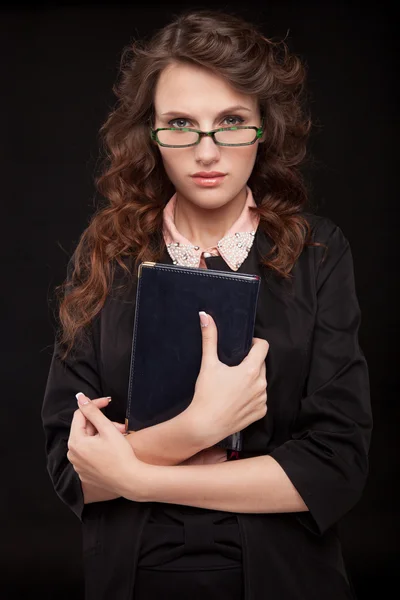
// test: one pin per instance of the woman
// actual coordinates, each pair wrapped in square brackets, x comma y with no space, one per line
[203,152]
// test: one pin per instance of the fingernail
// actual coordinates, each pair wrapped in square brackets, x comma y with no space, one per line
[83,400]
[203,318]
[109,399]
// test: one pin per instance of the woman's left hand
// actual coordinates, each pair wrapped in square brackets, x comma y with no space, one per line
[208,456]
[105,459]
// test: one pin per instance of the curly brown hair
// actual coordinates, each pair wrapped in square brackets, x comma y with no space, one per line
[133,180]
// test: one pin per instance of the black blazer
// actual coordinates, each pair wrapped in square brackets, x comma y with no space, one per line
[318,426]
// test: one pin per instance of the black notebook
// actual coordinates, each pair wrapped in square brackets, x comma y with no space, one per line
[167,341]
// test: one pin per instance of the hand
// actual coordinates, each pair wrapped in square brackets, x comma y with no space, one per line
[101,403]
[208,456]
[91,492]
[105,459]
[228,399]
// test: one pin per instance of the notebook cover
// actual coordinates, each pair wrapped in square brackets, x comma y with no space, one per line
[167,342]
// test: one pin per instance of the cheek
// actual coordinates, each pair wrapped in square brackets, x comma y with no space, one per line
[173,163]
[242,161]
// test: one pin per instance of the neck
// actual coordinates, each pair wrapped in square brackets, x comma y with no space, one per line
[204,227]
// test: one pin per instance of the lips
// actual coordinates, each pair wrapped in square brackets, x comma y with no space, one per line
[210,179]
[209,174]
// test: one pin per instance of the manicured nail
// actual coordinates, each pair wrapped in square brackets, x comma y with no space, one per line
[82,400]
[203,318]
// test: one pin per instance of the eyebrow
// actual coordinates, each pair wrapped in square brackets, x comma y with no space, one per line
[183,113]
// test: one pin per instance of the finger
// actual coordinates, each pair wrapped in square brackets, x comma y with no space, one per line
[103,401]
[258,351]
[209,334]
[93,414]
[263,369]
[119,426]
[216,455]
[223,457]
[78,426]
[90,429]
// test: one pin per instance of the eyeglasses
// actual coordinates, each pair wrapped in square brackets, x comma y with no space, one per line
[184,137]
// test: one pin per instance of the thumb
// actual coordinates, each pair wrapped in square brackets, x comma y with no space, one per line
[209,334]
[120,426]
[93,413]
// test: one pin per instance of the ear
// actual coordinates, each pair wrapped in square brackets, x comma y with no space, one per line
[263,138]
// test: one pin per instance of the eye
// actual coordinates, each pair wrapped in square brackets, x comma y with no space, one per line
[235,118]
[172,123]
[181,122]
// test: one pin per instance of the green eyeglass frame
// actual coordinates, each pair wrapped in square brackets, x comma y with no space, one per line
[259,132]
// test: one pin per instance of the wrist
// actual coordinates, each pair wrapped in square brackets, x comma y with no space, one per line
[140,482]
[198,430]
[170,442]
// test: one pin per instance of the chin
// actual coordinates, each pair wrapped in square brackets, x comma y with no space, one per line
[211,201]
[208,197]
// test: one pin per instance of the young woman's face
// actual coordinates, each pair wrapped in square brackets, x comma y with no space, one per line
[189,96]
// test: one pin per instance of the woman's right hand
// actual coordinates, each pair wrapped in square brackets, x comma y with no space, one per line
[102,403]
[228,399]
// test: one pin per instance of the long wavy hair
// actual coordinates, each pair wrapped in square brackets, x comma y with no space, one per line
[133,180]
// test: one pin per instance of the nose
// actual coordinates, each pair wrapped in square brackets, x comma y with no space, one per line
[206,150]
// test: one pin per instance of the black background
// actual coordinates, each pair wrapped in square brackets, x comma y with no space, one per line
[59,62]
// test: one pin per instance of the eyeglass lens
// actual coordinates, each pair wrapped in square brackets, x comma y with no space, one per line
[178,137]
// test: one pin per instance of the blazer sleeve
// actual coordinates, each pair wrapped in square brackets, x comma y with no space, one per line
[78,373]
[327,456]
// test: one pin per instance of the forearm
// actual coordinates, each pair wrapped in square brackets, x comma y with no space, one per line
[94,493]
[170,442]
[251,485]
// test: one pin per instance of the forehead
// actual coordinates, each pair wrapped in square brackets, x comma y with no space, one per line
[192,88]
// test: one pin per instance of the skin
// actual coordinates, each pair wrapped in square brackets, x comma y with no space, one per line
[203,215]
[105,460]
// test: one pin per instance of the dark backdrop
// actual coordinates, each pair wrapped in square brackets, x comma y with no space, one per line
[59,62]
